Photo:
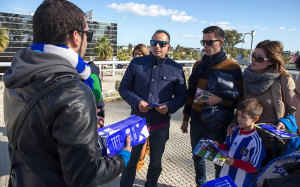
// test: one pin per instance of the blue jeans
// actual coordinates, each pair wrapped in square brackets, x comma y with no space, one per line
[158,140]
[197,131]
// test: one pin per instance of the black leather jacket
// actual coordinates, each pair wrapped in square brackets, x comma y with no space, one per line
[57,145]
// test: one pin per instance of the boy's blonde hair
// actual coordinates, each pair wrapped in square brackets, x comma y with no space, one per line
[251,107]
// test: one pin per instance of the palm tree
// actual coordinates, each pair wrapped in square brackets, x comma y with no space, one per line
[4,39]
[123,55]
[103,48]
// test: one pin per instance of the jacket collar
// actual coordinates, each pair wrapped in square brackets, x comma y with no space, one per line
[156,59]
[246,132]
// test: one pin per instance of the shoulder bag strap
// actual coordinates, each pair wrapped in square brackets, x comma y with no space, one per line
[25,113]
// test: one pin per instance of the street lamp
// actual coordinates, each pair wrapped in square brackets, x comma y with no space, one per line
[252,33]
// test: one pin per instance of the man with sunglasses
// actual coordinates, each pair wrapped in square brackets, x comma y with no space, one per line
[214,61]
[154,86]
[57,144]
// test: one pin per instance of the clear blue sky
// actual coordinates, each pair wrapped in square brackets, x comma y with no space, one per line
[185,19]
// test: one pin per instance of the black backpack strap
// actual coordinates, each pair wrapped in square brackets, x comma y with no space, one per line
[27,109]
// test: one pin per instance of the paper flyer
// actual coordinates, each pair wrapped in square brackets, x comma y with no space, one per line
[154,105]
[208,150]
[279,133]
[201,95]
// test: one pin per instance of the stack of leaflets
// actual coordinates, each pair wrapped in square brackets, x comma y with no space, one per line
[208,150]
[279,133]
[225,181]
[112,138]
[201,95]
[154,105]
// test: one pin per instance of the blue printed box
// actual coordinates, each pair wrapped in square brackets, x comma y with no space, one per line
[112,137]
[225,181]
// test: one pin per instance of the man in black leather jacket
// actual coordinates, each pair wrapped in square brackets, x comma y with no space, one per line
[58,141]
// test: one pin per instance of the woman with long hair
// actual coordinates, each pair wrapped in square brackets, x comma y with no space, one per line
[139,51]
[267,80]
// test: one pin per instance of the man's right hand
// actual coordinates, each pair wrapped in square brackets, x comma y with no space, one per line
[127,146]
[184,126]
[143,106]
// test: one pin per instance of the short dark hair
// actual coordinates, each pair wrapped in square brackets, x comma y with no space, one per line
[54,20]
[297,62]
[219,33]
[251,107]
[163,31]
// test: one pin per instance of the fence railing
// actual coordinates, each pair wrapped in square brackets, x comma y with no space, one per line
[111,67]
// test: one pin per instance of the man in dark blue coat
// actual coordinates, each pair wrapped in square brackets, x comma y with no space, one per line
[154,86]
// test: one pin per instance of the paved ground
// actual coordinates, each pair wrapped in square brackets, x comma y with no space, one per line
[177,161]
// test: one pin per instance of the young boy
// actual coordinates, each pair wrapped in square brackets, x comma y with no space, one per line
[245,148]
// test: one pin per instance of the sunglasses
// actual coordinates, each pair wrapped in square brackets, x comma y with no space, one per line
[259,58]
[161,43]
[89,35]
[208,42]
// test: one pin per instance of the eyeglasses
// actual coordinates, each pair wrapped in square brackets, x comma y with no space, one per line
[89,35]
[208,42]
[161,43]
[259,58]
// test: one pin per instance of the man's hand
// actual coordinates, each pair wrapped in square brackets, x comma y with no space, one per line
[100,120]
[143,106]
[229,161]
[127,146]
[184,126]
[163,109]
[280,125]
[231,128]
[212,100]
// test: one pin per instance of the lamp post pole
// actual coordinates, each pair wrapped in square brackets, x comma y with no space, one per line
[252,33]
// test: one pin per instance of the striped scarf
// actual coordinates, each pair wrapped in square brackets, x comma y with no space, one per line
[69,54]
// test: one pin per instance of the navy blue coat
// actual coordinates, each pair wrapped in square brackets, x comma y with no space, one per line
[154,80]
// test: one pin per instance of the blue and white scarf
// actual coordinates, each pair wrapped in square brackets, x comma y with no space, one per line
[69,54]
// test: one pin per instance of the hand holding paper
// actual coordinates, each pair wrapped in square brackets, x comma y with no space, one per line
[144,106]
[163,109]
[201,96]
[229,161]
[213,100]
[208,150]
